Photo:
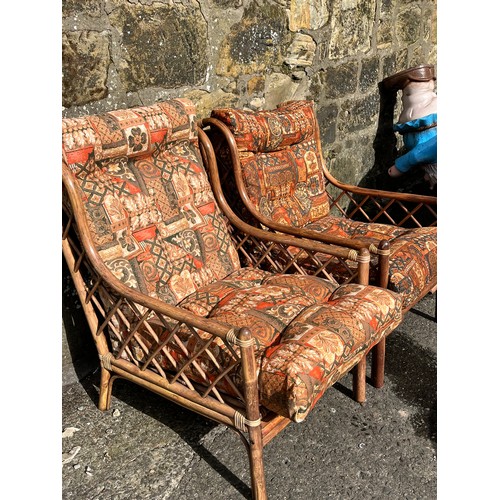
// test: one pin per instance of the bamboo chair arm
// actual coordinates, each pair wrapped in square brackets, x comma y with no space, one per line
[416,198]
[331,246]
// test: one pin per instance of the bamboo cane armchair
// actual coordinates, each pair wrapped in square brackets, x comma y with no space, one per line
[264,158]
[185,299]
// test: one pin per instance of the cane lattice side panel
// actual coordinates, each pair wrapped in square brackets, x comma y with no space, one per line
[381,207]
[177,352]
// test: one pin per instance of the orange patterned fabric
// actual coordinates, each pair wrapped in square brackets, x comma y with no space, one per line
[413,257]
[204,301]
[267,309]
[148,201]
[266,131]
[207,298]
[264,302]
[309,332]
[322,344]
[155,223]
[281,161]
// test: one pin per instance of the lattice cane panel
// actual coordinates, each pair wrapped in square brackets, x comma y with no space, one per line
[381,209]
[279,258]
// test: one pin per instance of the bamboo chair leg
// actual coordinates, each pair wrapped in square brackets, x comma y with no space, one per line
[256,458]
[359,381]
[255,443]
[378,364]
[105,390]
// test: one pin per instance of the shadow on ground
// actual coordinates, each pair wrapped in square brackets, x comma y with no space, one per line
[174,417]
[412,372]
[79,351]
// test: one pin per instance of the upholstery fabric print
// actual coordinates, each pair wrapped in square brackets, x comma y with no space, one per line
[204,300]
[322,345]
[263,131]
[259,300]
[266,310]
[281,161]
[413,263]
[287,186]
[348,228]
[317,288]
[149,204]
[413,257]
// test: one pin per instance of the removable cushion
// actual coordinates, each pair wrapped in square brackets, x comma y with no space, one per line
[322,344]
[413,257]
[265,131]
[267,309]
[309,332]
[148,202]
[281,161]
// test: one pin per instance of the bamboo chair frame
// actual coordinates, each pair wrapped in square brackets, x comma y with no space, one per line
[107,302]
[346,200]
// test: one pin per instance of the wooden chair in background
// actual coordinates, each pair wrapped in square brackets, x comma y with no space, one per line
[273,173]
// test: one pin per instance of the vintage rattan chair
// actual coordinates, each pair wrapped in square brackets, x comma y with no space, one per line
[185,299]
[274,176]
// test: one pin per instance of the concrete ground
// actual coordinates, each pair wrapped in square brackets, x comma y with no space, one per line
[146,447]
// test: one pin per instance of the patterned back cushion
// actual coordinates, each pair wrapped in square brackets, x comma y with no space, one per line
[148,201]
[281,160]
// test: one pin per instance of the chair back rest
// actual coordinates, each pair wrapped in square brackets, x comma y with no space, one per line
[281,160]
[147,199]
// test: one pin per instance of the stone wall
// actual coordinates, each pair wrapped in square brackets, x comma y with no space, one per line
[250,53]
[244,53]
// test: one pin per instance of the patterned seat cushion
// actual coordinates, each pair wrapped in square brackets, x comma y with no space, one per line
[322,344]
[413,257]
[270,307]
[309,332]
